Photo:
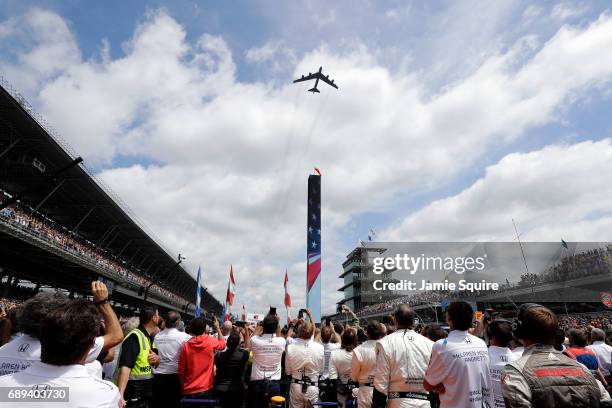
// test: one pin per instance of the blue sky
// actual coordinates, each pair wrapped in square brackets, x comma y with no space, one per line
[451,118]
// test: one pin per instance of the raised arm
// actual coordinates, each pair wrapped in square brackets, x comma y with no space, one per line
[114,334]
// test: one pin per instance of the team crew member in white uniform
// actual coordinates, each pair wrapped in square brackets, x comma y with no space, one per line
[328,338]
[459,365]
[67,334]
[340,364]
[401,360]
[499,333]
[268,348]
[304,364]
[21,352]
[166,383]
[363,364]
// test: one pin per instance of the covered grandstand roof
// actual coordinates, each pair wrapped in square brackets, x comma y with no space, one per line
[39,169]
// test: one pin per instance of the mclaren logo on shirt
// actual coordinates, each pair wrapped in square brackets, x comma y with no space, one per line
[468,340]
[23,347]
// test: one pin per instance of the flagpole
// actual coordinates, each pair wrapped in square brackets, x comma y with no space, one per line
[518,238]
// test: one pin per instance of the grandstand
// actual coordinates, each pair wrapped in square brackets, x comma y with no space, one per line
[60,227]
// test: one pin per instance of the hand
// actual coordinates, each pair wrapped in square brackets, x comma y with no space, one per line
[309,313]
[122,403]
[277,317]
[153,358]
[439,388]
[216,324]
[99,291]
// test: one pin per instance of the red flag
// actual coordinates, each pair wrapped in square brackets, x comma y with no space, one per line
[287,296]
[231,292]
[318,171]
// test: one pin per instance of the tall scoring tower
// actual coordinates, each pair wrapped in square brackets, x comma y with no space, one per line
[313,251]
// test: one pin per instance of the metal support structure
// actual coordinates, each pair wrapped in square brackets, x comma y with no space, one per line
[108,244]
[9,147]
[52,178]
[124,247]
[134,256]
[106,234]
[44,200]
[143,260]
[76,228]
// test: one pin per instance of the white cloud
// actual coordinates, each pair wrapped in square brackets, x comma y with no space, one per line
[232,157]
[565,11]
[553,193]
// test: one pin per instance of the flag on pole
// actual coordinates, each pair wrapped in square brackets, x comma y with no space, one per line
[231,293]
[313,245]
[287,296]
[198,292]
[371,235]
[243,313]
[563,243]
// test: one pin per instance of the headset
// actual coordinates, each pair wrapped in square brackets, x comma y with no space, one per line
[518,327]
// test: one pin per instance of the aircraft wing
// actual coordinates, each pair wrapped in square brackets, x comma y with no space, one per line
[326,79]
[307,78]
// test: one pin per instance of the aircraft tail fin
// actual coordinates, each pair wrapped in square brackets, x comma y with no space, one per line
[313,90]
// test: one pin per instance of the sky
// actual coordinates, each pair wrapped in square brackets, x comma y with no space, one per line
[451,118]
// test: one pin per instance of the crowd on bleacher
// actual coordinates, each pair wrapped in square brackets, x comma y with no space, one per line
[589,263]
[58,235]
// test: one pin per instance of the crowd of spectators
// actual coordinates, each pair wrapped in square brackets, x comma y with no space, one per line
[593,262]
[158,360]
[56,234]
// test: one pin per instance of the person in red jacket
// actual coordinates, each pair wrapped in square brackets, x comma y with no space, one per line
[197,360]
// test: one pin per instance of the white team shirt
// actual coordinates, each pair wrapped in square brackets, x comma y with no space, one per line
[327,350]
[461,363]
[604,356]
[401,360]
[498,358]
[169,343]
[340,363]
[267,356]
[362,371]
[20,353]
[304,357]
[83,389]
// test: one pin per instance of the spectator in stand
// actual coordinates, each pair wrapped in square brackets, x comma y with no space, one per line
[499,333]
[196,362]
[267,346]
[459,367]
[340,365]
[136,362]
[67,334]
[230,368]
[169,342]
[602,350]
[19,353]
[363,364]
